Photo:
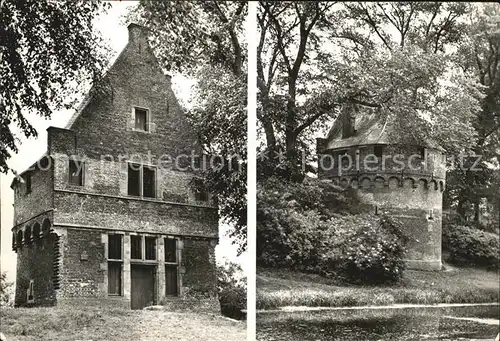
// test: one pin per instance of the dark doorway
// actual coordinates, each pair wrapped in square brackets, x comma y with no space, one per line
[142,286]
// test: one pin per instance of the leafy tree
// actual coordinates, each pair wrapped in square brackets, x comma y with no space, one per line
[47,49]
[318,58]
[479,58]
[5,290]
[204,39]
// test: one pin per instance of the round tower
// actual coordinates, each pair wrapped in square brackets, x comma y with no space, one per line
[405,181]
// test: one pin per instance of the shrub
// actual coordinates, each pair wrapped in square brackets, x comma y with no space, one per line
[317,227]
[367,249]
[232,290]
[468,245]
[233,301]
[292,220]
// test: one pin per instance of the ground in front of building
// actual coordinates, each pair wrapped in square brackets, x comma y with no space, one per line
[85,324]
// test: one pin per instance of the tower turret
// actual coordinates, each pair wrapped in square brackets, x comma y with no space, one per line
[403,180]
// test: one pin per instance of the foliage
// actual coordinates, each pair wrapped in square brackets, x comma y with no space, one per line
[366,250]
[317,227]
[49,48]
[468,245]
[188,35]
[231,287]
[292,219]
[220,117]
[5,290]
[479,57]
[204,40]
[316,59]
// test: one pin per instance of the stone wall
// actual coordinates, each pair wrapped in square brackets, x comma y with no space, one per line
[412,196]
[82,254]
[200,277]
[419,209]
[111,178]
[394,161]
[39,200]
[135,79]
[35,261]
[121,213]
[84,271]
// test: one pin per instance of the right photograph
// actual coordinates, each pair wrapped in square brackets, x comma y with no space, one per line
[378,173]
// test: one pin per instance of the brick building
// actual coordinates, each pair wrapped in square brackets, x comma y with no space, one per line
[408,186]
[105,217]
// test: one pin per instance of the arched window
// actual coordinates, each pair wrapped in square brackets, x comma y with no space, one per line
[36,232]
[46,227]
[27,235]
[19,240]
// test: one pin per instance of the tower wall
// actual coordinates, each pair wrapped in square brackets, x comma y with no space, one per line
[412,194]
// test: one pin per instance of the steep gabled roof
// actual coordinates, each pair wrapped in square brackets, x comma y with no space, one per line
[371,127]
[88,96]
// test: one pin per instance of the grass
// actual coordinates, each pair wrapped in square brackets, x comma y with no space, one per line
[87,324]
[279,288]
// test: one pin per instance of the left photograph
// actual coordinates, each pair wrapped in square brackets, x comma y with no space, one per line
[123,170]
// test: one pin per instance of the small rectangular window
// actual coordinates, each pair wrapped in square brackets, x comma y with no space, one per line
[200,191]
[31,291]
[149,189]
[134,179]
[114,278]
[75,173]
[171,285]
[422,153]
[201,195]
[378,151]
[141,119]
[114,246]
[136,247]
[170,250]
[27,181]
[150,244]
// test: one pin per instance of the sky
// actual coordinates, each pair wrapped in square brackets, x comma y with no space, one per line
[112,27]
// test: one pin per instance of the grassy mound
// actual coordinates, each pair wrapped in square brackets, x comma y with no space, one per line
[279,288]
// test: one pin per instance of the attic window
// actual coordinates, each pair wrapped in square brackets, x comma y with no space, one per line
[378,151]
[349,126]
[141,117]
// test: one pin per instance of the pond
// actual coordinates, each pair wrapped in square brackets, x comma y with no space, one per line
[408,324]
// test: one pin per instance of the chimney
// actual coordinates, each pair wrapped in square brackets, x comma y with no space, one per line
[137,33]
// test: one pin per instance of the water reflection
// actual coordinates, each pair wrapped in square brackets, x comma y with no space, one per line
[388,324]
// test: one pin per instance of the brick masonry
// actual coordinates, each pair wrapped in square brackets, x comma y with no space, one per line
[69,264]
[413,196]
